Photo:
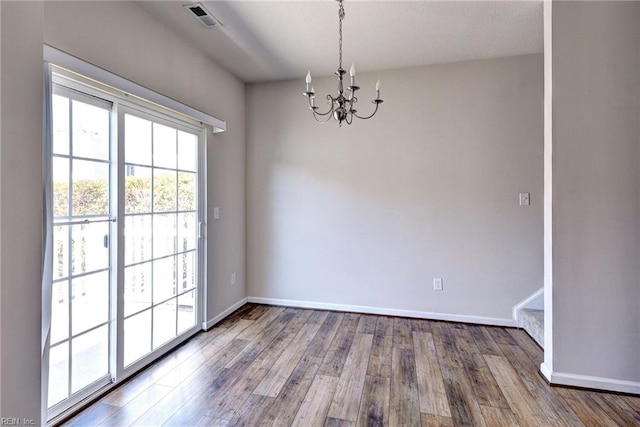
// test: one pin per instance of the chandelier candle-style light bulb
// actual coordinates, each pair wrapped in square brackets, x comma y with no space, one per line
[342,106]
[308,80]
[352,74]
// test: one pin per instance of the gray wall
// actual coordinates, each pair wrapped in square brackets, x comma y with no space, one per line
[367,215]
[129,42]
[20,208]
[596,181]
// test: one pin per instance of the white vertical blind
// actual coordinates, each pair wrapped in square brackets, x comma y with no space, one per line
[47,262]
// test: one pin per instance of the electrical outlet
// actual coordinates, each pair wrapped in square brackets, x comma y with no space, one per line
[437,283]
[234,278]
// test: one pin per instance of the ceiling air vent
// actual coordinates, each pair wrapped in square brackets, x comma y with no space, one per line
[204,16]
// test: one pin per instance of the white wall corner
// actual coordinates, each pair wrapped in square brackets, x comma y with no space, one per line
[548,186]
[1,210]
[462,318]
[535,301]
[209,323]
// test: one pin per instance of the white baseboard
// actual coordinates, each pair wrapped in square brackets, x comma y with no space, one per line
[525,302]
[545,371]
[493,321]
[586,381]
[209,323]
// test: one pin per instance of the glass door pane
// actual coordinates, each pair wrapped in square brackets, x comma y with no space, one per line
[82,271]
[160,229]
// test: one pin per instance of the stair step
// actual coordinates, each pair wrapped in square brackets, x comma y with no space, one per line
[532,321]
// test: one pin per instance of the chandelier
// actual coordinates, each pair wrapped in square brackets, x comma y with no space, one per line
[341,107]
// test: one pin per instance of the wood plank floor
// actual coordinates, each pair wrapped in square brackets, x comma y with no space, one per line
[275,366]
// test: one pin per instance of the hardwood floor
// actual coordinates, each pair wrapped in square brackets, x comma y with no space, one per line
[275,366]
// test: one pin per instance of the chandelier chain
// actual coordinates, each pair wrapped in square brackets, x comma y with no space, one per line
[340,18]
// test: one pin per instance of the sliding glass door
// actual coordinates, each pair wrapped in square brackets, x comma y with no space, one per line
[161,233]
[126,248]
[82,227]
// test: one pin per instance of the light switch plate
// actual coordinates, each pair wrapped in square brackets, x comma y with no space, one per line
[525,199]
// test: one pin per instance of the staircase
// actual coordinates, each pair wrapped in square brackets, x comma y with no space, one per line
[532,321]
[530,316]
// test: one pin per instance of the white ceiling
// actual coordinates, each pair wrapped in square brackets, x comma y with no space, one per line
[275,40]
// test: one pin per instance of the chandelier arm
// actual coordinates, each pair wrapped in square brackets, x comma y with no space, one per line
[372,114]
[331,101]
[315,116]
[315,112]
[315,108]
[352,101]
[328,114]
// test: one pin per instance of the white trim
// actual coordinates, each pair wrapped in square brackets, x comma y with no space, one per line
[548,184]
[103,76]
[65,80]
[203,240]
[587,381]
[463,318]
[545,371]
[523,304]
[209,323]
